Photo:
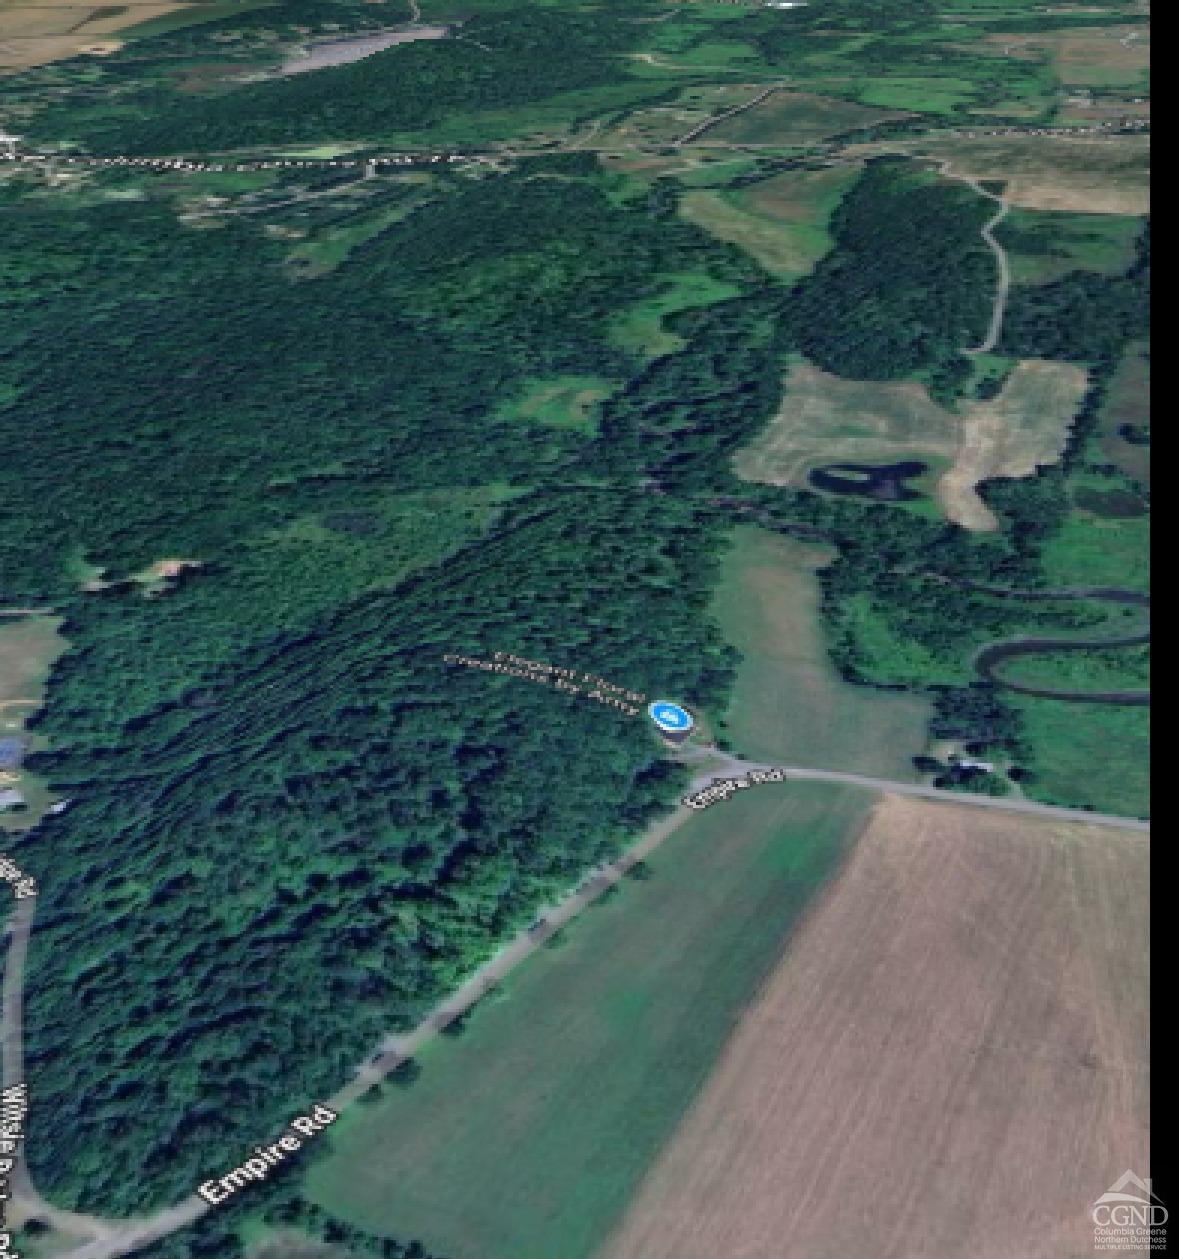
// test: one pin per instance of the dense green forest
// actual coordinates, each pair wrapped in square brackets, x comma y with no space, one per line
[292,826]
[907,285]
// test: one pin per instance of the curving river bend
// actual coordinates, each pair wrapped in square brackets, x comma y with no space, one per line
[988,660]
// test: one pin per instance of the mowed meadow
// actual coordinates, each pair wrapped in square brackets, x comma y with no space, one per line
[950,1059]
[789,702]
[526,1136]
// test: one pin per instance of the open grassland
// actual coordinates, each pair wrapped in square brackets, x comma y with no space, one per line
[28,647]
[797,118]
[1108,175]
[825,419]
[920,95]
[951,1058]
[789,702]
[1098,550]
[335,242]
[782,221]
[1094,755]
[1043,245]
[525,1137]
[1099,56]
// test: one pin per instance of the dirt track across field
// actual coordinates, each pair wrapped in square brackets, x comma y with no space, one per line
[950,1059]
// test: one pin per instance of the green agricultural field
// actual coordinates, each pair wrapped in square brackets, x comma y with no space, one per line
[1088,755]
[789,702]
[526,1136]
[922,96]
[641,329]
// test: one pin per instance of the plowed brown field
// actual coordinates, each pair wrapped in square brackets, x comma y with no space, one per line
[949,1061]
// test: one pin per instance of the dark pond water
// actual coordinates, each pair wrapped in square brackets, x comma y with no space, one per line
[883,481]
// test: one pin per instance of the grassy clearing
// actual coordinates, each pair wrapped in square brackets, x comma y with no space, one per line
[826,419]
[1094,755]
[1093,550]
[335,243]
[641,329]
[526,1137]
[920,96]
[789,703]
[782,221]
[563,402]
[28,648]
[1042,245]
[1011,435]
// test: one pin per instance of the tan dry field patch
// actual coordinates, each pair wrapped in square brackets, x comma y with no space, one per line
[36,34]
[1103,109]
[825,419]
[1082,174]
[1086,56]
[1011,435]
[950,1059]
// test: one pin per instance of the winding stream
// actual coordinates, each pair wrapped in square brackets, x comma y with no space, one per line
[988,660]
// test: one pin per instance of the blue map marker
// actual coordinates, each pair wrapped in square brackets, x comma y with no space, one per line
[672,721]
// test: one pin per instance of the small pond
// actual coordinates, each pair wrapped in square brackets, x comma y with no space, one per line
[884,481]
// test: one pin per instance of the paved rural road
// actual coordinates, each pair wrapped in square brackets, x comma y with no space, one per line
[111,1238]
[735,766]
